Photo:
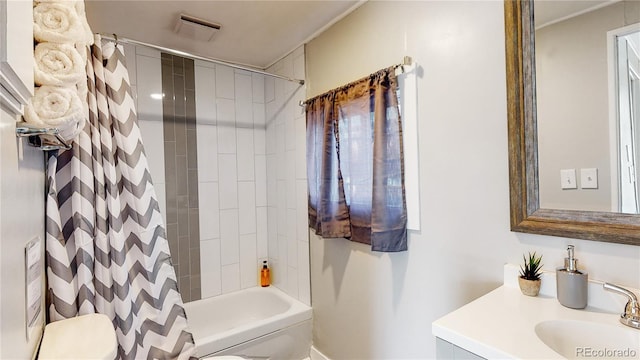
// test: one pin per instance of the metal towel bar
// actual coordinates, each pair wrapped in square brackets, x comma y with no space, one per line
[43,138]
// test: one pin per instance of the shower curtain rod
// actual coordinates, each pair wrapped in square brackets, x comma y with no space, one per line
[115,38]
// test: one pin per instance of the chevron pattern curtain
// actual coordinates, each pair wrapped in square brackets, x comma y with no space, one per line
[106,245]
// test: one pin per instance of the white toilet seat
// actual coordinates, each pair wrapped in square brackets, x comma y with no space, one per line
[89,336]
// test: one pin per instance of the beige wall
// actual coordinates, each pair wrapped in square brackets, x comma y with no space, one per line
[573,107]
[21,220]
[374,305]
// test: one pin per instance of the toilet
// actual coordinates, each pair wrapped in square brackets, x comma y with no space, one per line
[83,337]
[86,337]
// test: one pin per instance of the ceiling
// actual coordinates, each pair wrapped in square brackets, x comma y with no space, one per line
[253,33]
[548,12]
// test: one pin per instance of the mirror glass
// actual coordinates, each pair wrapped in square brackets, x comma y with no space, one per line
[587,73]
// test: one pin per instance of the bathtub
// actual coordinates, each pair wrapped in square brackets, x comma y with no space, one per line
[258,323]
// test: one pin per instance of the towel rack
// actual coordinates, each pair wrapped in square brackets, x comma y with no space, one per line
[41,137]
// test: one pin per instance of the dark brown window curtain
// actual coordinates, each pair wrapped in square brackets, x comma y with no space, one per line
[355,163]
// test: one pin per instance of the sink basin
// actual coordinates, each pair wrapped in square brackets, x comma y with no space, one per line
[585,339]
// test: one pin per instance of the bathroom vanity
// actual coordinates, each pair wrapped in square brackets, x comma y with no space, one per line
[505,324]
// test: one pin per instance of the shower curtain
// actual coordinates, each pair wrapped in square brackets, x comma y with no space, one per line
[105,244]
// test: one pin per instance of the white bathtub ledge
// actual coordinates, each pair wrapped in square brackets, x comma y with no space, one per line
[228,320]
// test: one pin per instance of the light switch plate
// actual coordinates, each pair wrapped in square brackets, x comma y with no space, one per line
[568,179]
[589,178]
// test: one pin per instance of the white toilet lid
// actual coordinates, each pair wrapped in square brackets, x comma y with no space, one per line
[89,336]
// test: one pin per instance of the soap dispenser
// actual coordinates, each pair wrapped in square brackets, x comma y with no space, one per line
[265,275]
[571,283]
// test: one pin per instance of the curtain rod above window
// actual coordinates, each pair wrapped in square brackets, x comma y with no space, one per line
[406,61]
[117,39]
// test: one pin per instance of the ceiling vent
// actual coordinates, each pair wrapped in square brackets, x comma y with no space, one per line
[194,28]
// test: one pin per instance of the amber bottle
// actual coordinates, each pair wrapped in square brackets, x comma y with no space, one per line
[265,276]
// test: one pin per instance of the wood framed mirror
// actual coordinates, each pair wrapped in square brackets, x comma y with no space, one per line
[526,214]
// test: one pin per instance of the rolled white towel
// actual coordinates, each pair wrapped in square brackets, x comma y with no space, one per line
[58,22]
[70,132]
[88,33]
[56,106]
[58,64]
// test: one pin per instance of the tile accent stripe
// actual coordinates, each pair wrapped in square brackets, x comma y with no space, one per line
[181,171]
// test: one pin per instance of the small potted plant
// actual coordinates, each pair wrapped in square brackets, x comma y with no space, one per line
[529,279]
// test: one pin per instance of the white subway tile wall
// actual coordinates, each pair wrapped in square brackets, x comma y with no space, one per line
[229,237]
[230,278]
[207,135]
[247,207]
[285,145]
[261,233]
[244,100]
[210,267]
[246,153]
[249,266]
[209,210]
[225,82]
[149,85]
[234,135]
[206,112]
[261,179]
[228,175]
[252,190]
[226,122]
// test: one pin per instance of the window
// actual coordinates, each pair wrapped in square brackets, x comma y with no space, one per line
[355,163]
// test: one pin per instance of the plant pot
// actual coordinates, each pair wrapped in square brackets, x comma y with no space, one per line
[529,287]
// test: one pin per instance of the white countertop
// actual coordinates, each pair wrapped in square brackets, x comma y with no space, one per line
[501,324]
